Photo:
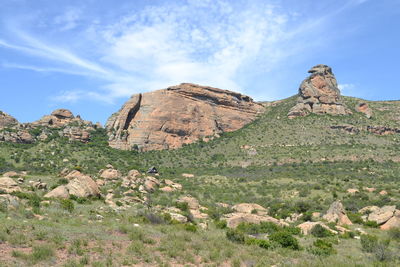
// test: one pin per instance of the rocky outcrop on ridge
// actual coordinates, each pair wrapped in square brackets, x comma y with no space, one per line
[7,120]
[364,108]
[319,94]
[178,115]
[74,128]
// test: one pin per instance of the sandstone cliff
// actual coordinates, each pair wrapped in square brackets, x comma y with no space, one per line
[319,93]
[182,114]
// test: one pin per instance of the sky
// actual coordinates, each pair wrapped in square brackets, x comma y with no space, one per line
[90,56]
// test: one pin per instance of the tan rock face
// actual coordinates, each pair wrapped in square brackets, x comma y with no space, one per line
[169,118]
[234,219]
[250,208]
[319,94]
[7,120]
[382,215]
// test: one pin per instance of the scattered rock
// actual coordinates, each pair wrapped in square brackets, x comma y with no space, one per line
[58,192]
[234,219]
[187,175]
[337,214]
[369,189]
[383,193]
[319,94]
[178,217]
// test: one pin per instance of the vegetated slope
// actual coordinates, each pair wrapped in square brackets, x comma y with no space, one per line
[271,139]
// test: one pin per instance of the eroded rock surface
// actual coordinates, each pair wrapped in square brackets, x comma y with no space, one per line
[169,118]
[319,93]
[337,214]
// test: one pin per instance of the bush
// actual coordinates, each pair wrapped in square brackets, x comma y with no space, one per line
[355,217]
[394,233]
[191,228]
[372,224]
[221,224]
[67,204]
[262,243]
[285,240]
[235,235]
[368,243]
[319,231]
[322,247]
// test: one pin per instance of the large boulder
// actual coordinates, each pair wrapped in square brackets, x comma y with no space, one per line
[364,108]
[110,174]
[306,227]
[393,222]
[82,186]
[319,94]
[8,185]
[337,214]
[234,219]
[178,115]
[382,215]
[250,208]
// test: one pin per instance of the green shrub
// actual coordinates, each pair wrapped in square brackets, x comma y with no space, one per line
[221,224]
[42,253]
[355,217]
[191,228]
[320,231]
[368,243]
[394,233]
[67,204]
[322,247]
[262,243]
[285,240]
[371,224]
[235,235]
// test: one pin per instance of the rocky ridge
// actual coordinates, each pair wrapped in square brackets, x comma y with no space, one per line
[178,115]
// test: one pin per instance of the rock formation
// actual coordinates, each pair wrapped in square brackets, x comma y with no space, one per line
[7,120]
[337,214]
[364,108]
[319,94]
[169,118]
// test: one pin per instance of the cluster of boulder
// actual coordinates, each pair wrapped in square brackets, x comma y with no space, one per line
[386,217]
[74,128]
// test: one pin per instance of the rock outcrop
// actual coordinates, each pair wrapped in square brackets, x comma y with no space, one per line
[7,120]
[364,108]
[178,115]
[337,214]
[8,185]
[319,94]
[81,186]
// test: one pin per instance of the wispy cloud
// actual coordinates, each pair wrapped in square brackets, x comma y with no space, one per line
[206,42]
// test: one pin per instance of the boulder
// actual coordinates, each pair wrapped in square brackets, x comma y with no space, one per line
[306,227]
[58,192]
[149,121]
[192,202]
[364,108]
[234,219]
[187,175]
[110,174]
[337,214]
[178,217]
[393,222]
[10,174]
[319,94]
[73,174]
[368,209]
[382,215]
[8,185]
[352,190]
[250,208]
[83,186]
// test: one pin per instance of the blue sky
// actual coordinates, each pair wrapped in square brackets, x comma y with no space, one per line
[91,56]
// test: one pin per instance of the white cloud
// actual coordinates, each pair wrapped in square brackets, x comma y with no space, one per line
[205,42]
